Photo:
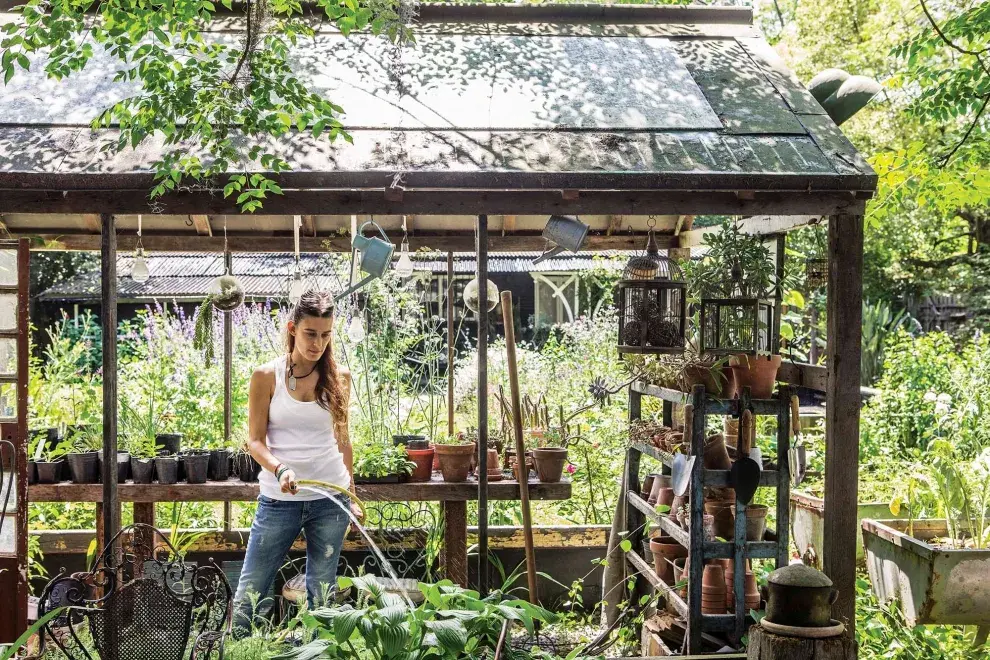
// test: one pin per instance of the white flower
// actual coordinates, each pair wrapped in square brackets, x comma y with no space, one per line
[944,398]
[931,397]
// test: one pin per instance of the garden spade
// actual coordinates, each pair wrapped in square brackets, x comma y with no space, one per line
[745,473]
[797,460]
[680,470]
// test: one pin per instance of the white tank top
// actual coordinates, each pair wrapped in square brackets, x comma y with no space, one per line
[300,434]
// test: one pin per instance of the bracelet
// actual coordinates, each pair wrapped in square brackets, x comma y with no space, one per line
[280,469]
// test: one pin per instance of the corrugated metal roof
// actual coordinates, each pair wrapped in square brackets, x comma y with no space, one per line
[266,275]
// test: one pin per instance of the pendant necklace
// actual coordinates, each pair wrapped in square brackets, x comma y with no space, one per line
[292,377]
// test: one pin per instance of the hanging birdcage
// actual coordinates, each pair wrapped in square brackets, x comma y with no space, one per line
[652,303]
[737,325]
[816,272]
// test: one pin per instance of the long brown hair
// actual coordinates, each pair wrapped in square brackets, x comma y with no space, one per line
[329,387]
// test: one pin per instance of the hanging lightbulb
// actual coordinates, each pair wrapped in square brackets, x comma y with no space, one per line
[355,330]
[404,265]
[296,289]
[139,270]
[471,295]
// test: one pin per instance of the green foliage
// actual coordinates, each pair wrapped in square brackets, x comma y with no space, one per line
[380,460]
[735,265]
[452,623]
[879,322]
[217,105]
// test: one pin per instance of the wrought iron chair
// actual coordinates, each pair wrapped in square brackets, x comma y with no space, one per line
[140,601]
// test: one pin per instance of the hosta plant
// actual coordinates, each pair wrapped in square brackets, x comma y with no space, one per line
[451,623]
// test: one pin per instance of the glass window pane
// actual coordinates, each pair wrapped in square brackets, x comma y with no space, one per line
[8,357]
[8,400]
[8,311]
[8,267]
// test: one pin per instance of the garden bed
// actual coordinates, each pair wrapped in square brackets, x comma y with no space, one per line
[935,585]
[808,521]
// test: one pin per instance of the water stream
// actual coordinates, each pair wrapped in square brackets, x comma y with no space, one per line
[382,561]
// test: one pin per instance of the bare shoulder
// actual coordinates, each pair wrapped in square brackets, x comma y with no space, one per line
[264,376]
[344,373]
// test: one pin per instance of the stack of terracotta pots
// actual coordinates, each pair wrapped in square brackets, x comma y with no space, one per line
[721,512]
[713,590]
[752,593]
[665,552]
[661,493]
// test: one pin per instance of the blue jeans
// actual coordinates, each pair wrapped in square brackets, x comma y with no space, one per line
[276,525]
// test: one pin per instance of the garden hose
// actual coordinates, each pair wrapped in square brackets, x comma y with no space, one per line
[339,489]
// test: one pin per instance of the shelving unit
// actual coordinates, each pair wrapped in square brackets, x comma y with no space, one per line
[774,546]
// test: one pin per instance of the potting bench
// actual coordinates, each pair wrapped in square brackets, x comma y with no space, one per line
[452,496]
[699,549]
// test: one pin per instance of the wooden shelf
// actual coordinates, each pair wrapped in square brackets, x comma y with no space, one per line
[714,478]
[713,406]
[712,549]
[236,490]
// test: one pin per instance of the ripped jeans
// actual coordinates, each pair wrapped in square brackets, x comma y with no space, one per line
[276,525]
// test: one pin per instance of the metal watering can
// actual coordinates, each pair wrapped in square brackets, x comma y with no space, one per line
[376,257]
[566,233]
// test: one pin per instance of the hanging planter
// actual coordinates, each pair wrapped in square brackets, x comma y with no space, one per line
[651,299]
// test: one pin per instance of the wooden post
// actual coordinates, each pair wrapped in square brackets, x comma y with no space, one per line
[781,247]
[482,251]
[455,541]
[228,360]
[697,490]
[845,316]
[522,470]
[450,344]
[108,284]
[765,645]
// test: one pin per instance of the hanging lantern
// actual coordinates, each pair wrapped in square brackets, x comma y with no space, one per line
[652,303]
[139,269]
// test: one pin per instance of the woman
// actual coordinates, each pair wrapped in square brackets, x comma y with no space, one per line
[298,429]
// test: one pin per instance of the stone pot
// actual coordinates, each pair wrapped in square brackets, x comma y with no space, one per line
[423,458]
[50,472]
[660,481]
[756,521]
[757,372]
[665,550]
[197,465]
[142,470]
[123,466]
[713,590]
[721,511]
[798,595]
[549,462]
[84,467]
[455,461]
[219,465]
[167,469]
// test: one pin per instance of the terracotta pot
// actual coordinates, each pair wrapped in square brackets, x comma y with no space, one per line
[493,464]
[436,460]
[666,497]
[713,590]
[715,380]
[647,486]
[716,456]
[681,574]
[423,458]
[752,593]
[660,481]
[455,461]
[730,431]
[510,461]
[756,521]
[550,463]
[665,550]
[721,511]
[757,372]
[675,507]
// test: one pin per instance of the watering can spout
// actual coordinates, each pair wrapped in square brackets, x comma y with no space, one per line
[353,288]
[375,258]
[549,253]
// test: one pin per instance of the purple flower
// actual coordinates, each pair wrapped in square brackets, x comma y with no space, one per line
[571,469]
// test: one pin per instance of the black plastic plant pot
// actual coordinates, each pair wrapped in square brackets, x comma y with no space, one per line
[410,441]
[219,465]
[142,470]
[32,472]
[123,465]
[170,443]
[387,479]
[196,465]
[246,467]
[50,472]
[167,469]
[84,467]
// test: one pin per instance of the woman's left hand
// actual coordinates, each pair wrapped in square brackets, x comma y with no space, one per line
[358,515]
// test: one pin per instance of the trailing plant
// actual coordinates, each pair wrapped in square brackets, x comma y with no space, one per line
[735,265]
[203,337]
[452,623]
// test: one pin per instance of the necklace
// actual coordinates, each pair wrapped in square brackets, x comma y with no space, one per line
[292,376]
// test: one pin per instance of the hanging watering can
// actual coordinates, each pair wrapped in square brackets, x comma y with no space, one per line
[376,257]
[566,233]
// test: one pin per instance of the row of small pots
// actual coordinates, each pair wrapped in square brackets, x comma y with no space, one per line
[456,461]
[193,466]
[757,372]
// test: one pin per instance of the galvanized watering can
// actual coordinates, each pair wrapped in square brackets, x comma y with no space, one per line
[376,256]
[566,233]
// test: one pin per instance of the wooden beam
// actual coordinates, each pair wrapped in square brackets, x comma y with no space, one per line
[92,222]
[614,225]
[309,225]
[202,224]
[445,202]
[762,225]
[811,376]
[254,243]
[845,315]
[508,224]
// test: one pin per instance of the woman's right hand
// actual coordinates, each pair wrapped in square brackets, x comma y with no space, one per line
[288,482]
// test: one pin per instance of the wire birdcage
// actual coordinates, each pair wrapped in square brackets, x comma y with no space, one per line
[652,303]
[737,325]
[816,272]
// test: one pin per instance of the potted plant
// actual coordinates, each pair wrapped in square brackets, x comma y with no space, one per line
[455,458]
[380,463]
[422,459]
[142,449]
[551,456]
[51,463]
[734,285]
[196,465]
[123,465]
[83,459]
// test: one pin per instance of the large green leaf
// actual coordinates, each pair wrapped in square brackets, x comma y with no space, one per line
[309,651]
[394,639]
[344,624]
[451,634]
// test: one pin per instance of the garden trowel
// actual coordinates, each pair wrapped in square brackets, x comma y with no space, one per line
[744,476]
